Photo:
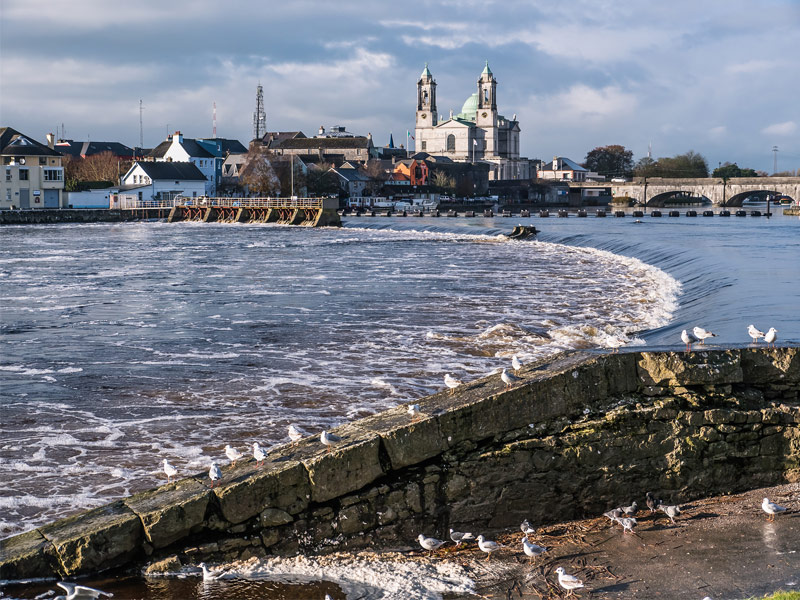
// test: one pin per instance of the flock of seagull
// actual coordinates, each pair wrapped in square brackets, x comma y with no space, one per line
[700,335]
[622,515]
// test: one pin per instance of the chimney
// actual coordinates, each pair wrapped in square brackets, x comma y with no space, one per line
[178,136]
[321,130]
[369,136]
[555,163]
[51,140]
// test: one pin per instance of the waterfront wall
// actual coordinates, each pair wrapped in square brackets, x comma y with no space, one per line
[83,215]
[576,436]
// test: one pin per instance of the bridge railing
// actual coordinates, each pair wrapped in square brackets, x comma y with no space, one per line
[251,202]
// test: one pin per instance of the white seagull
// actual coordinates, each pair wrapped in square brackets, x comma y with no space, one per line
[214,474]
[429,543]
[688,339]
[460,536]
[525,527]
[771,336]
[754,333]
[208,575]
[329,439]
[531,549]
[702,334]
[79,592]
[567,581]
[295,434]
[169,470]
[515,363]
[413,412]
[451,382]
[232,453]
[259,454]
[487,546]
[508,378]
[771,509]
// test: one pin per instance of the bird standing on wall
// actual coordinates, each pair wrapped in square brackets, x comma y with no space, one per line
[413,412]
[516,364]
[525,527]
[214,474]
[451,382]
[259,454]
[169,470]
[460,536]
[567,581]
[295,434]
[429,543]
[771,509]
[487,546]
[532,550]
[329,439]
[232,453]
[702,334]
[754,333]
[688,339]
[508,378]
[771,336]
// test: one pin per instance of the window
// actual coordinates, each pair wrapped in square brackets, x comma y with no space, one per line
[8,174]
[23,174]
[42,160]
[424,146]
[451,143]
[53,174]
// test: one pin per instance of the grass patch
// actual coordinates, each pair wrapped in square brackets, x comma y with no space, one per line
[782,596]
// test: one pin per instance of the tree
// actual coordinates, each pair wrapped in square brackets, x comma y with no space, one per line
[689,165]
[610,161]
[80,172]
[728,170]
[377,175]
[646,167]
[257,173]
[442,181]
[320,181]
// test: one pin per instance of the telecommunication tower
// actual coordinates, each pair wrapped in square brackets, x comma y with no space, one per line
[774,160]
[259,117]
[141,130]
[214,124]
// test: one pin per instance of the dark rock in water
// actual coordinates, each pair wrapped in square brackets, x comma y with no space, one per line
[520,232]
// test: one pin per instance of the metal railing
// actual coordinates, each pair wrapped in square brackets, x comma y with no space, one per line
[134,203]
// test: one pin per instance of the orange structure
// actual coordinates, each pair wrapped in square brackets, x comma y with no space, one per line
[415,170]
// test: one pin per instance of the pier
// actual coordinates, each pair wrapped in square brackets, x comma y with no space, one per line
[306,212]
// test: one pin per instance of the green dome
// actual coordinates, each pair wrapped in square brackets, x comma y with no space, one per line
[470,106]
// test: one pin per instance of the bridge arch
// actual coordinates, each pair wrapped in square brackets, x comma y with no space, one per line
[739,199]
[677,197]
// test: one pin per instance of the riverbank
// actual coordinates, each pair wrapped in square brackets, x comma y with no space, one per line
[84,215]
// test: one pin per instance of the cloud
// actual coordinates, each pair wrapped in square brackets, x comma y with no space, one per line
[751,66]
[718,131]
[583,102]
[785,128]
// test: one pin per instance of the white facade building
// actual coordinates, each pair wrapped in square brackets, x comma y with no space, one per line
[176,148]
[149,181]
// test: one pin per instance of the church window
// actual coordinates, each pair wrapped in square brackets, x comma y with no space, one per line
[451,143]
[425,96]
[424,146]
[485,95]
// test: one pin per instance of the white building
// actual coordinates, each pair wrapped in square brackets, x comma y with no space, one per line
[176,148]
[148,181]
[477,134]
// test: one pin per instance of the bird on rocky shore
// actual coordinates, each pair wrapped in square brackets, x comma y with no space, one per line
[169,470]
[525,527]
[754,333]
[567,581]
[295,434]
[516,364]
[628,523]
[259,454]
[487,546]
[80,592]
[771,336]
[451,382]
[630,511]
[531,549]
[214,474]
[413,412]
[460,536]
[652,502]
[615,514]
[702,334]
[688,339]
[232,453]
[508,378]
[429,543]
[208,574]
[329,439]
[670,511]
[772,509]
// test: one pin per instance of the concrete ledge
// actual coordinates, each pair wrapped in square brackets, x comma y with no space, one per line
[27,556]
[96,540]
[168,513]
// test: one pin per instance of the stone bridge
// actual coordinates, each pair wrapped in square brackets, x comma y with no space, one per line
[655,191]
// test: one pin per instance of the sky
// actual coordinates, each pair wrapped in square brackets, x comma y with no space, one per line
[719,77]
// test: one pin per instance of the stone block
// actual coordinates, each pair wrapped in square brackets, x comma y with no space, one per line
[690,368]
[97,539]
[280,483]
[169,512]
[353,464]
[171,564]
[273,517]
[27,555]
[771,366]
[408,443]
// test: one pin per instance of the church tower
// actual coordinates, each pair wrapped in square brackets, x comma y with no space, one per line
[427,116]
[486,117]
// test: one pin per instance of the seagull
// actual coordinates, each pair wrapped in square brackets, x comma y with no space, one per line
[169,470]
[413,412]
[516,364]
[614,344]
[208,575]
[701,334]
[487,546]
[460,536]
[670,511]
[451,382]
[295,434]
[431,544]
[525,527]
[259,454]
[754,333]
[652,502]
[214,474]
[688,339]
[567,581]
[631,510]
[508,378]
[627,524]
[79,592]
[771,509]
[532,549]
[329,439]
[232,453]
[771,336]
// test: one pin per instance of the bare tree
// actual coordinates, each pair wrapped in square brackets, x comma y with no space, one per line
[443,181]
[258,174]
[377,175]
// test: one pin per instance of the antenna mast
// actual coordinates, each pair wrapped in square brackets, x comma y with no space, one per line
[214,128]
[141,130]
[259,117]
[774,160]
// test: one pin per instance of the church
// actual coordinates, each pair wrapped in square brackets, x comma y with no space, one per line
[476,134]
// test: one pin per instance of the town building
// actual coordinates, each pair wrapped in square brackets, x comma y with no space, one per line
[149,181]
[176,148]
[562,169]
[77,149]
[479,133]
[33,174]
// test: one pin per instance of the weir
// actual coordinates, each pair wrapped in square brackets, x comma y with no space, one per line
[576,435]
[307,212]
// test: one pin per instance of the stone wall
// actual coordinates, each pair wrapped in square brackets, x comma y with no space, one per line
[83,215]
[577,435]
